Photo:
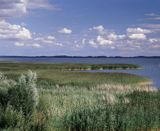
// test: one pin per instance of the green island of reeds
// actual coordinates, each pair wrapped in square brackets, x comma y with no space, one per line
[58,97]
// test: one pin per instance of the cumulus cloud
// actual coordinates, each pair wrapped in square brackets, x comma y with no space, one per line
[48,39]
[19,44]
[102,41]
[83,41]
[36,45]
[23,44]
[12,8]
[93,43]
[65,31]
[51,37]
[105,38]
[154,40]
[154,27]
[13,32]
[137,36]
[100,29]
[134,39]
[114,37]
[138,31]
[21,36]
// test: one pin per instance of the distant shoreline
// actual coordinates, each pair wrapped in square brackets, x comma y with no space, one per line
[65,56]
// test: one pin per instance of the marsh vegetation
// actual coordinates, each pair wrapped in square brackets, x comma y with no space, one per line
[55,98]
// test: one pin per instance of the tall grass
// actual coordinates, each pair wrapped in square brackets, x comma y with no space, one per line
[105,107]
[75,101]
[99,108]
[65,66]
[120,116]
[18,101]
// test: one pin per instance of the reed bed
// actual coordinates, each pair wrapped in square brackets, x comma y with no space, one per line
[75,101]
[102,109]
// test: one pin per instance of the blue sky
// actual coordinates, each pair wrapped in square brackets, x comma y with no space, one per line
[80,27]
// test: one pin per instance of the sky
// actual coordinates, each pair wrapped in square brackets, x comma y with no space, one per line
[80,27]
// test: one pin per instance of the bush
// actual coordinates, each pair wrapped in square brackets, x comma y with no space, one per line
[24,96]
[11,118]
[18,102]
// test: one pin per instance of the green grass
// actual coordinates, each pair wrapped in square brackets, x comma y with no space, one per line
[66,66]
[82,101]
[58,74]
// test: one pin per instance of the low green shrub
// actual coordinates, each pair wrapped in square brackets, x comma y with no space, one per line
[24,95]
[18,102]
[9,117]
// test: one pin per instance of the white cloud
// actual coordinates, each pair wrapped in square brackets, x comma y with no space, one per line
[137,36]
[138,31]
[26,44]
[154,40]
[65,31]
[50,40]
[114,37]
[100,29]
[58,44]
[83,41]
[36,45]
[38,42]
[19,44]
[134,39]
[121,37]
[102,41]
[10,31]
[14,8]
[153,16]
[39,4]
[51,37]
[153,26]
[93,43]
[47,39]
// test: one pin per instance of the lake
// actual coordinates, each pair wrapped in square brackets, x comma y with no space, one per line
[151,66]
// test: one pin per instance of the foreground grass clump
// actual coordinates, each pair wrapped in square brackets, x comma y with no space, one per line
[107,108]
[124,116]
[18,101]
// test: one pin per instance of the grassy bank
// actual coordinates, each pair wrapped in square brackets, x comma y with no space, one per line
[59,74]
[66,66]
[77,101]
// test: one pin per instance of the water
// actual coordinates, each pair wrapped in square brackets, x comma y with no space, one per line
[151,66]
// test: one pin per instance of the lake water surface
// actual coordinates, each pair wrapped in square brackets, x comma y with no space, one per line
[151,66]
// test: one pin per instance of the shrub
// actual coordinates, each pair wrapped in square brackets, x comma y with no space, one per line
[24,96]
[3,97]
[41,117]
[18,102]
[10,118]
